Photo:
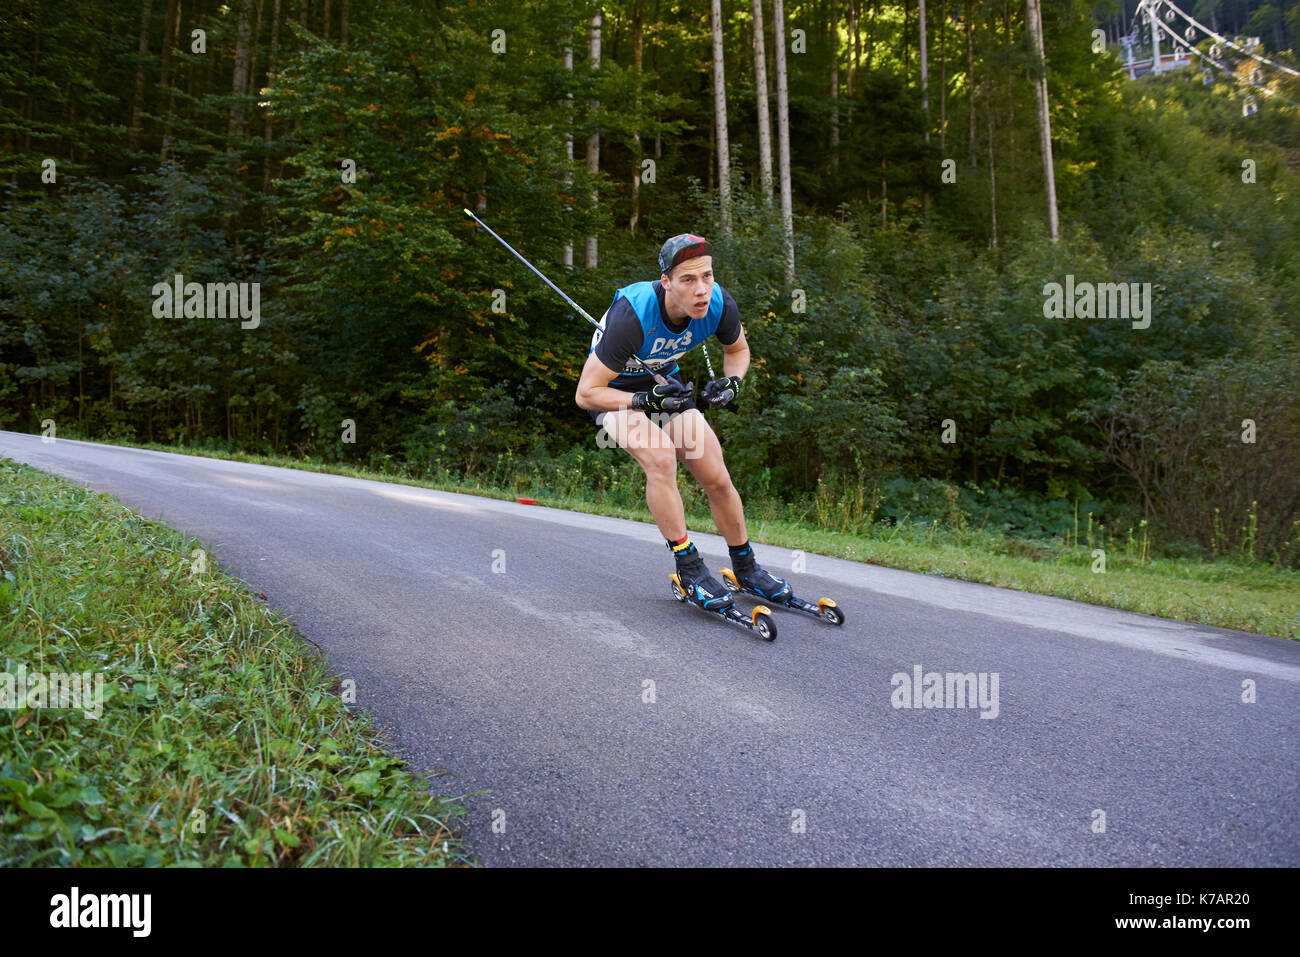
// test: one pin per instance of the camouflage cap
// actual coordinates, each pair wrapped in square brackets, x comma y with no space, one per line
[681,248]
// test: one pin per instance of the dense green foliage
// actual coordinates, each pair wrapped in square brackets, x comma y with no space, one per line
[917,300]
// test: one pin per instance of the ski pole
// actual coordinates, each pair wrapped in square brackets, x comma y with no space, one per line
[659,380]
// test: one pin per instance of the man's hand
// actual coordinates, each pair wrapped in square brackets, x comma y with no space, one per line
[670,397]
[721,391]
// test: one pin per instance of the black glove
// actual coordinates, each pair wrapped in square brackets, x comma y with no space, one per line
[672,396]
[721,391]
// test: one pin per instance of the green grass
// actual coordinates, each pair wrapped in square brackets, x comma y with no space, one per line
[223,739]
[1250,596]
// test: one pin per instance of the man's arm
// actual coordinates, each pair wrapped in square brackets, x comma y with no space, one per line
[594,392]
[735,363]
[612,350]
[735,357]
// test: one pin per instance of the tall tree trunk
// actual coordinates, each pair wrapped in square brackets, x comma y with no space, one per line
[169,25]
[192,77]
[835,86]
[239,84]
[268,129]
[871,33]
[764,117]
[1009,43]
[304,8]
[943,75]
[637,53]
[970,79]
[146,11]
[783,138]
[857,55]
[239,87]
[925,74]
[343,22]
[993,166]
[720,119]
[654,70]
[593,141]
[712,165]
[255,47]
[925,95]
[1034,16]
[907,36]
[325,16]
[567,255]
[173,40]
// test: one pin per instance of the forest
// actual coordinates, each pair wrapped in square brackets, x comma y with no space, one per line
[239,225]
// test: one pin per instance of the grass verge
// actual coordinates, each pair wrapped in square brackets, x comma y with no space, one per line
[221,738]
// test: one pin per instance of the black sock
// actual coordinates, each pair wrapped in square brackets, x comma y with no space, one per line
[742,556]
[684,550]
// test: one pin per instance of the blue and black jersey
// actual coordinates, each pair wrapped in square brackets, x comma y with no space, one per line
[636,324]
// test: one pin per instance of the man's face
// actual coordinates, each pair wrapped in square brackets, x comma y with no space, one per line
[691,286]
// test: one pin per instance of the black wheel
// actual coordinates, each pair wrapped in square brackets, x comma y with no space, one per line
[832,614]
[765,627]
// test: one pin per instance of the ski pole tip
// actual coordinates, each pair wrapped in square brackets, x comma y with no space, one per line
[467,212]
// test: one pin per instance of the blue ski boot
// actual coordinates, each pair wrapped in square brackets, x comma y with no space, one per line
[701,587]
[752,579]
[758,581]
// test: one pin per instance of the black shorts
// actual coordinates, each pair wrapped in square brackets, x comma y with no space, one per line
[658,418]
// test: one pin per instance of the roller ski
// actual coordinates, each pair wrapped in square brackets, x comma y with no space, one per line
[693,584]
[757,582]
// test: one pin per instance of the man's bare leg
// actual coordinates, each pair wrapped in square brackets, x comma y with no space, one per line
[698,448]
[654,452]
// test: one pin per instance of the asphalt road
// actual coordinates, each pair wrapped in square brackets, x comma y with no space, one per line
[531,685]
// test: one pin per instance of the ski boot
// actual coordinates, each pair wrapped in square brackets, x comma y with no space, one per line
[758,582]
[693,584]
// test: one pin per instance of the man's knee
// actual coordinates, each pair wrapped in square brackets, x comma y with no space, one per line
[715,481]
[659,463]
[710,470]
[692,435]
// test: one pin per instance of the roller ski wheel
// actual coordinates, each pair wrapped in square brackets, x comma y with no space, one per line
[759,621]
[824,609]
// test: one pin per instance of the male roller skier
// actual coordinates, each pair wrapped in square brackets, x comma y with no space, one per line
[659,322]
